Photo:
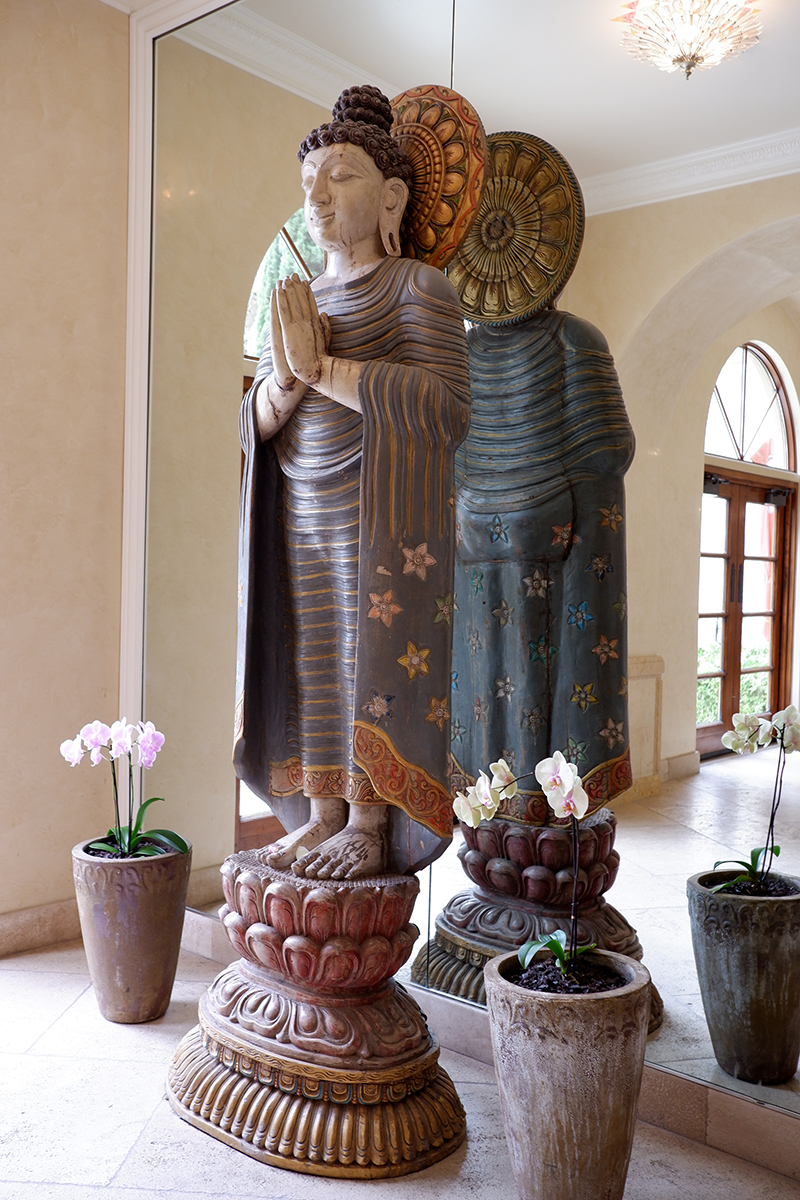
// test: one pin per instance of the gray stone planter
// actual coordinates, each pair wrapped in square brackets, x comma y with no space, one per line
[569,1070]
[131,912]
[747,953]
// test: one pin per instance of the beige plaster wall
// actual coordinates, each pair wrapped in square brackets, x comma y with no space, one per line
[674,287]
[63,202]
[227,177]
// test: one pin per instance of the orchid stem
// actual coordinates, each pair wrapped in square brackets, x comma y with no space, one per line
[573,931]
[118,830]
[769,849]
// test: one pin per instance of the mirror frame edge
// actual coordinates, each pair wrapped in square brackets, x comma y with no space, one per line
[159,18]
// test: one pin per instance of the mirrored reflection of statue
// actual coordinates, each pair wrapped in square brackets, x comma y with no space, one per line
[540,593]
[346,554]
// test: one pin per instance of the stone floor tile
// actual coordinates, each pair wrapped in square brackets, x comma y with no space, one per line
[66,1120]
[31,1002]
[82,1032]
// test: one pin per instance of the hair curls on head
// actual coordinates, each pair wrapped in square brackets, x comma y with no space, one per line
[362,116]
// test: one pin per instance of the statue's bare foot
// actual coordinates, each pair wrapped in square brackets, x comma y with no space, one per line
[351,854]
[327,818]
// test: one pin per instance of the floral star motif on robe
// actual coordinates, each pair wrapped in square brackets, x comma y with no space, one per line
[481,710]
[503,614]
[505,688]
[379,707]
[445,606]
[457,730]
[622,606]
[498,529]
[415,661]
[623,687]
[579,614]
[612,733]
[612,517]
[542,650]
[509,756]
[418,561]
[454,680]
[476,581]
[537,584]
[439,712]
[583,695]
[575,751]
[532,719]
[474,640]
[601,565]
[606,649]
[383,607]
[564,535]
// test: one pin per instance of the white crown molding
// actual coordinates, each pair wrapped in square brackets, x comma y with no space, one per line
[252,42]
[708,171]
[123,8]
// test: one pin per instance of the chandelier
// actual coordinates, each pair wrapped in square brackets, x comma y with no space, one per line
[688,34]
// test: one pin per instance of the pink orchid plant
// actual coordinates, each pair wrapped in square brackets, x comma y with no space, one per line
[747,735]
[564,793]
[109,743]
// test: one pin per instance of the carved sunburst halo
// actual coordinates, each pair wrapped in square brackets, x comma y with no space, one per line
[525,242]
[444,140]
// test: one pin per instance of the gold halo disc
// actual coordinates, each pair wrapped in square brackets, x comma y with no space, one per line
[525,241]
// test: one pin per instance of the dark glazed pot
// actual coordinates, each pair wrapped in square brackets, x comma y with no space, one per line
[569,1070]
[747,953]
[131,912]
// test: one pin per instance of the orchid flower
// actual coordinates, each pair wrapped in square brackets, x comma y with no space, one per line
[573,804]
[130,840]
[150,742]
[96,736]
[121,738]
[503,778]
[72,749]
[479,803]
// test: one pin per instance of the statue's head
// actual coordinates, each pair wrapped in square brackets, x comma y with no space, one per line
[355,157]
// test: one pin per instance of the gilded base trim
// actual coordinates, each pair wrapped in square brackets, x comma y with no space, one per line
[224,1093]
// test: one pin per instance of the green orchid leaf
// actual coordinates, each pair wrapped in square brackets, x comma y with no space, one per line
[143,809]
[735,862]
[556,942]
[720,887]
[174,840]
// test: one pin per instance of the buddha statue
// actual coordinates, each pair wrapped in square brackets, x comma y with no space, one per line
[358,405]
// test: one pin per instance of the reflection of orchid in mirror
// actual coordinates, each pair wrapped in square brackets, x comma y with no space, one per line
[748,733]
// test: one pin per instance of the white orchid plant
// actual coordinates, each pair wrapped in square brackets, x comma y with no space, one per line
[563,789]
[748,733]
[109,743]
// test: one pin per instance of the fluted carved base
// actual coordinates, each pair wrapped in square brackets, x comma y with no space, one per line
[306,1056]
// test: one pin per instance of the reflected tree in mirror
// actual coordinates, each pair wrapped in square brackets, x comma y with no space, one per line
[278,263]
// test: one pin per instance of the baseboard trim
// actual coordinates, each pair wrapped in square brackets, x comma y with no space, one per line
[44,925]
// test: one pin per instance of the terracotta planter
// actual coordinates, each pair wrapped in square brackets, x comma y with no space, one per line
[131,912]
[569,1070]
[747,953]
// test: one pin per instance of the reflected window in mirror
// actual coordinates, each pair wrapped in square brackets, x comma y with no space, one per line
[745,606]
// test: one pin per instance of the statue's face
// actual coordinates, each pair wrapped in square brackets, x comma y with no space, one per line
[344,195]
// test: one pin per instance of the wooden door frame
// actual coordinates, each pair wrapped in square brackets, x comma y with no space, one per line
[785,555]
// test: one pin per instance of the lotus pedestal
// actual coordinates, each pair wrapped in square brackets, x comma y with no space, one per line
[308,1055]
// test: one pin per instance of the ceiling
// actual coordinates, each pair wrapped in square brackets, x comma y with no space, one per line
[550,67]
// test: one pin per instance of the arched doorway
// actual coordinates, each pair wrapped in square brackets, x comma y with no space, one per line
[746,547]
